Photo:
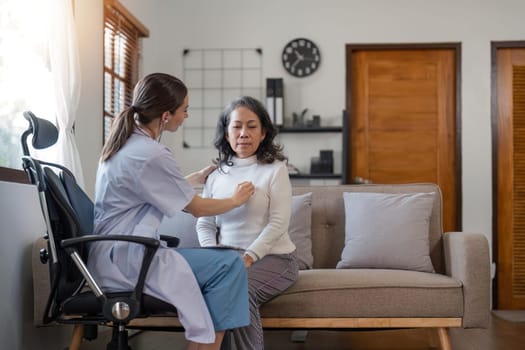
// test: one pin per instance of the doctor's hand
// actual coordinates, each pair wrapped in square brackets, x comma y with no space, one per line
[199,177]
[243,192]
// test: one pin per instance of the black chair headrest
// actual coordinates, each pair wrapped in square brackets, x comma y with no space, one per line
[44,132]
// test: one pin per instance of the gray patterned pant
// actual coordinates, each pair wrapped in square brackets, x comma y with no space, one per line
[267,278]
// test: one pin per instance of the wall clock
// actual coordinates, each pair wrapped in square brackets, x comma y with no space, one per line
[301,57]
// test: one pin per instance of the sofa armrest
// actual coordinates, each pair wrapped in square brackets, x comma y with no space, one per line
[467,259]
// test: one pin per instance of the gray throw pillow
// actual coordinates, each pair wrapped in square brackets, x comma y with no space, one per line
[182,225]
[387,231]
[300,229]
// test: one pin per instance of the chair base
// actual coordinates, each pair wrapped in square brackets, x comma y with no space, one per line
[119,340]
[119,337]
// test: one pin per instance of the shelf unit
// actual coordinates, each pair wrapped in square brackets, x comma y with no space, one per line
[311,129]
[323,129]
[315,176]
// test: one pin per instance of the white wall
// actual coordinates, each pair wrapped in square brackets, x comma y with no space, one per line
[22,224]
[89,20]
[178,24]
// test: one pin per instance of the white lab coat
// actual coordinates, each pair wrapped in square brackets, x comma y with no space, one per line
[134,190]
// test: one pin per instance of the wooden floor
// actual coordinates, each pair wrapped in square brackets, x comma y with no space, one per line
[500,335]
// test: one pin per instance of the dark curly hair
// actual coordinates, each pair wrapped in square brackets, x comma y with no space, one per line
[267,152]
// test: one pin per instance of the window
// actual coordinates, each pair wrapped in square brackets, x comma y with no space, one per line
[122,34]
[25,75]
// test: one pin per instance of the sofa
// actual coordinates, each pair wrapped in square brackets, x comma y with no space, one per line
[345,236]
[456,295]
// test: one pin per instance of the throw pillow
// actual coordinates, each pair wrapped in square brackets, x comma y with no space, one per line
[387,231]
[300,229]
[181,225]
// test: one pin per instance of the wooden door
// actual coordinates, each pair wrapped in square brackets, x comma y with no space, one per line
[509,208]
[402,105]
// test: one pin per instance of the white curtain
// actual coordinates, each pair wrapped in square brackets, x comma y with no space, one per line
[65,68]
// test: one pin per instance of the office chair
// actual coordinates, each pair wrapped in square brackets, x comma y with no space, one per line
[75,296]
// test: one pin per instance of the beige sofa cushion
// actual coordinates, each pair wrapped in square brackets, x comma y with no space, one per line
[368,293]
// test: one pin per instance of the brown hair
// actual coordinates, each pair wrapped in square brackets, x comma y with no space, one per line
[153,95]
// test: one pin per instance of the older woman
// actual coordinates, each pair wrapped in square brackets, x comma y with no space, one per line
[247,152]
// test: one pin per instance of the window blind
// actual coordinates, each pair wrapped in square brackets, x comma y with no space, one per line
[122,34]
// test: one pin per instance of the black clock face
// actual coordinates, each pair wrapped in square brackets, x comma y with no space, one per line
[301,57]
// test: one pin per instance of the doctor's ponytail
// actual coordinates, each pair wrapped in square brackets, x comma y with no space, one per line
[121,129]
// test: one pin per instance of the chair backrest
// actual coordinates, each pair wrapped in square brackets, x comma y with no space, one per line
[78,204]
[67,210]
[66,220]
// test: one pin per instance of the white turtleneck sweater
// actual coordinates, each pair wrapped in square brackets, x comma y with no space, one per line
[260,226]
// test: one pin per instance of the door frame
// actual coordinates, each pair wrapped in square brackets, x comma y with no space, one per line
[351,48]
[494,46]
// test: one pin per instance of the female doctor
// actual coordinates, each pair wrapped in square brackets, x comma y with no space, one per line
[138,182]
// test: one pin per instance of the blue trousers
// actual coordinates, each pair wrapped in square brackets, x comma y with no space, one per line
[223,280]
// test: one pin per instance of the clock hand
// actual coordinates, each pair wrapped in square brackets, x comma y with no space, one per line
[299,56]
[295,63]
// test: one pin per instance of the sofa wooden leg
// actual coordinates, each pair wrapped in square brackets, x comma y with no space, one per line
[76,338]
[433,340]
[444,339]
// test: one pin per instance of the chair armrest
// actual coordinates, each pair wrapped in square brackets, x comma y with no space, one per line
[146,241]
[171,241]
[150,244]
[467,259]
